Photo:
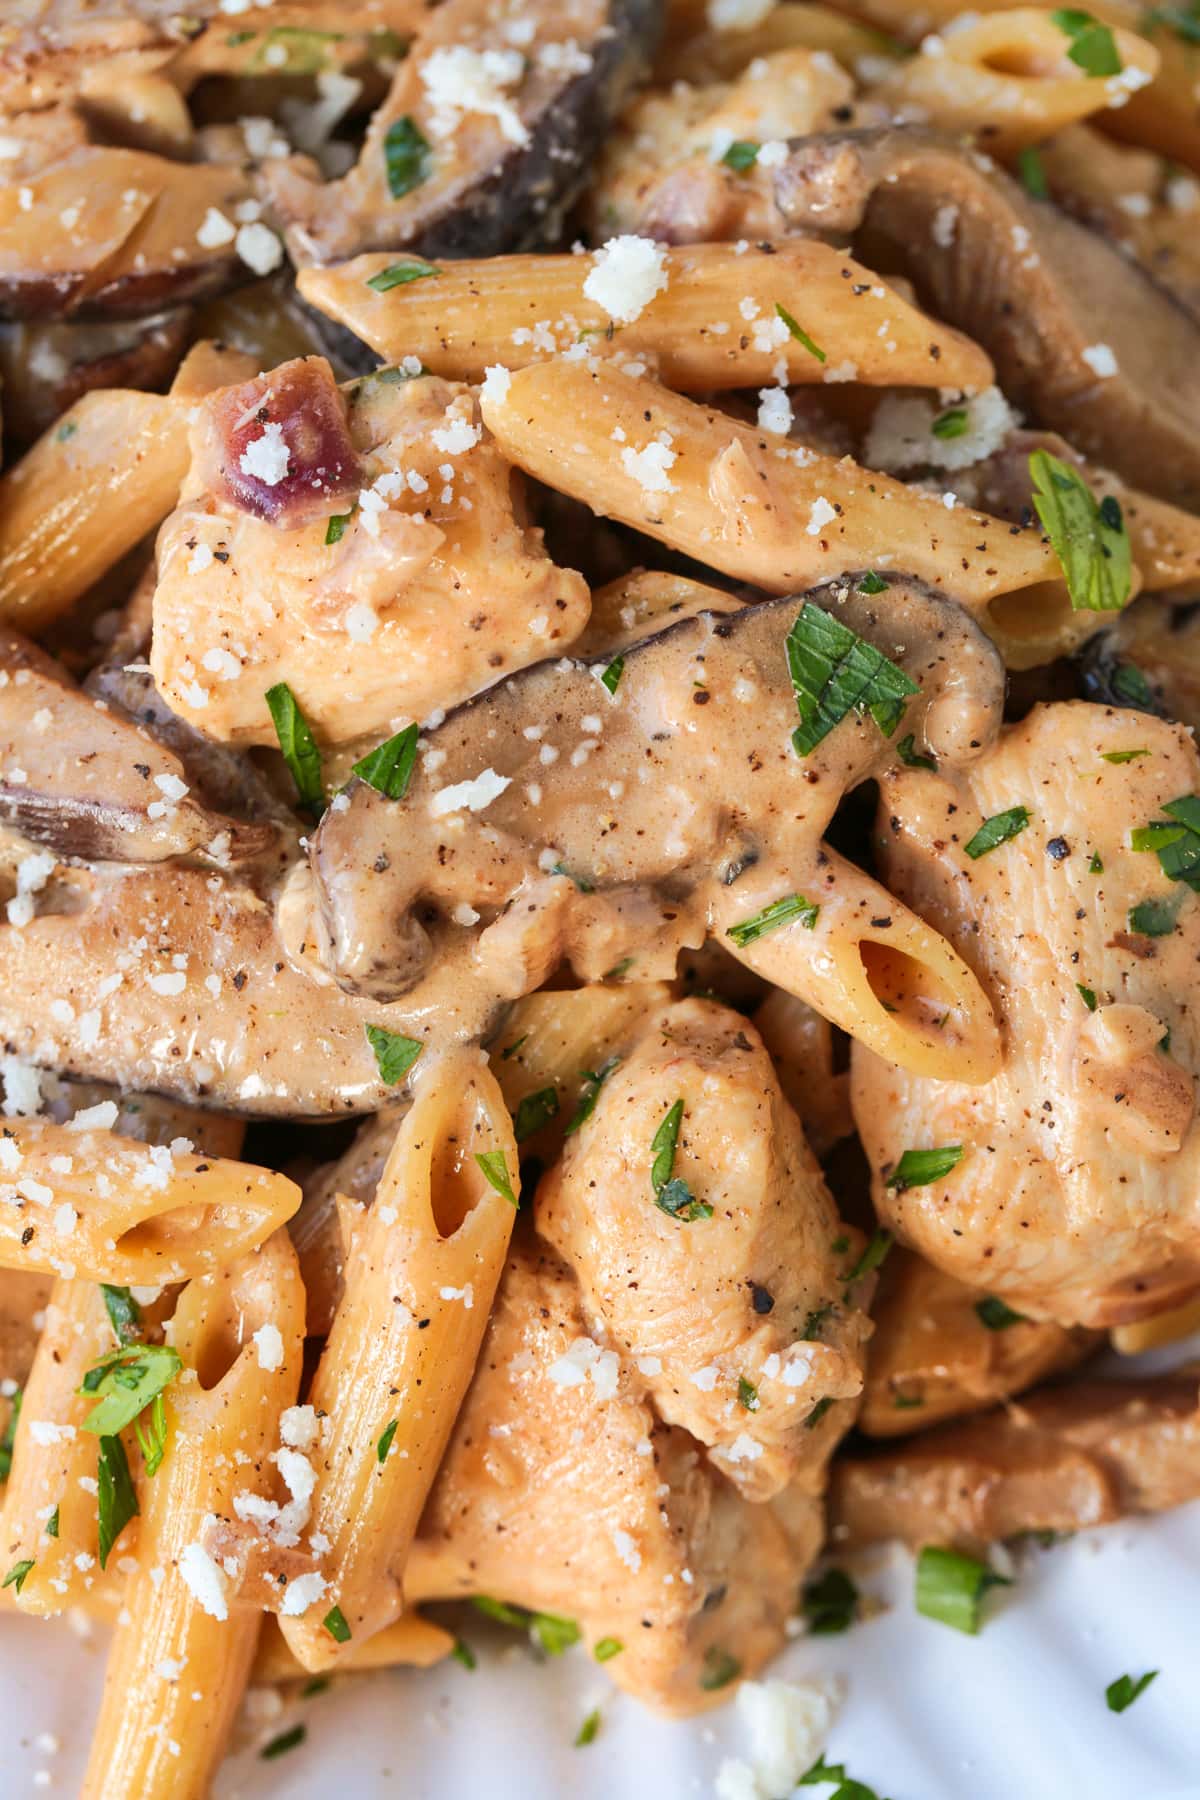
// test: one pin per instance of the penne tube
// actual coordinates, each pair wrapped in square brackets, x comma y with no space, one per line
[868,964]
[1160,1328]
[82,1202]
[642,602]
[411,1642]
[704,55]
[182,1649]
[759,507]
[1008,74]
[92,486]
[420,1279]
[713,325]
[54,1465]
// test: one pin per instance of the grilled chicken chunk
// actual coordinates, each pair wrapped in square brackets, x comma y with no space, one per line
[1076,1198]
[561,1491]
[721,1271]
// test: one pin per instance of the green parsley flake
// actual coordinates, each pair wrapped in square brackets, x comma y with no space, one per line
[835,672]
[920,1168]
[588,1730]
[1087,995]
[951,1587]
[997,830]
[1093,46]
[950,424]
[872,583]
[1175,840]
[534,1111]
[335,1624]
[395,1054]
[830,1604]
[1122,756]
[52,1524]
[610,677]
[1032,171]
[747,1394]
[9,1437]
[672,1195]
[911,757]
[607,1648]
[385,1440]
[780,912]
[398,274]
[116,1496]
[17,1574]
[1155,918]
[463,1653]
[1090,540]
[495,1170]
[124,1314]
[287,1740]
[798,332]
[1122,1692]
[336,526]
[593,1080]
[407,157]
[298,745]
[996,1315]
[388,768]
[719,1669]
[127,1380]
[741,155]
[817,1414]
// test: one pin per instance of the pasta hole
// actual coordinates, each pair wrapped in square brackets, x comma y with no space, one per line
[1032,615]
[455,1183]
[167,1234]
[907,989]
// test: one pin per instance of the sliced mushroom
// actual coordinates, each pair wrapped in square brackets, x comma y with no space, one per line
[940,1349]
[83,781]
[487,136]
[1080,336]
[1063,1459]
[1075,1198]
[47,367]
[551,817]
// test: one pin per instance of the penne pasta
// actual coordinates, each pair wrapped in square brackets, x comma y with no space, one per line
[1008,76]
[756,506]
[645,601]
[410,1642]
[1162,1328]
[804,1049]
[82,1202]
[702,55]
[420,1278]
[715,323]
[183,1647]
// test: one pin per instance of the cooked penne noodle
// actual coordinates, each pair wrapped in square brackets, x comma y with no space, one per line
[54,1465]
[420,1279]
[803,1048]
[1162,1328]
[715,324]
[182,1648]
[92,486]
[703,55]
[84,1202]
[756,506]
[1008,76]
[648,600]
[410,1642]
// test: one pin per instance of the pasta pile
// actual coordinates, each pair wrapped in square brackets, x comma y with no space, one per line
[599,825]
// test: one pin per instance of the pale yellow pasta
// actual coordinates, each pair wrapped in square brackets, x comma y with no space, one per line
[1008,77]
[704,54]
[55,1461]
[1152,1333]
[801,1045]
[160,1735]
[411,1642]
[755,505]
[644,601]
[715,323]
[420,1277]
[92,486]
[88,1203]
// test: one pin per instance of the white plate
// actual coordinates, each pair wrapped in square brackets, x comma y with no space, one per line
[1015,1714]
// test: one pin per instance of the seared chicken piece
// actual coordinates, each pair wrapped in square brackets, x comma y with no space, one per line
[561,1491]
[1062,1459]
[366,546]
[940,1349]
[723,1271]
[1077,1196]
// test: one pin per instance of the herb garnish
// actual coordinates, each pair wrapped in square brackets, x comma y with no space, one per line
[593,1081]
[835,672]
[671,1194]
[1125,1689]
[287,1740]
[911,757]
[407,157]
[16,1575]
[1090,540]
[395,1054]
[399,273]
[780,912]
[298,745]
[872,583]
[997,830]
[950,1587]
[1122,756]
[996,1315]
[385,1440]
[1087,995]
[587,1731]
[124,1314]
[1093,47]
[336,526]
[1175,840]
[9,1438]
[495,1170]
[748,1395]
[950,424]
[873,1257]
[1032,171]
[919,1168]
[719,1669]
[1155,918]
[388,768]
[610,677]
[830,1604]
[52,1524]
[607,1648]
[534,1111]
[116,1497]
[741,155]
[463,1653]
[335,1624]
[551,1631]
[798,332]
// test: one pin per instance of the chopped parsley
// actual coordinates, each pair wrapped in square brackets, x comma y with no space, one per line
[66,431]
[588,1730]
[1096,866]
[607,1648]
[830,1604]
[672,1195]
[919,1168]
[873,1257]
[127,1381]
[388,768]
[748,1395]
[911,757]
[1122,756]
[335,1624]
[996,1315]
[719,1669]
[287,1740]
[1093,47]
[407,157]
[1122,1692]
[9,1437]
[741,155]
[52,1524]
[817,1414]
[1032,171]
[1129,684]
[1089,539]
[811,1330]
[997,830]
[124,1314]
[1184,21]
[1175,840]
[951,1587]
[336,526]
[610,677]
[298,745]
[1087,995]
[534,1111]
[780,912]
[116,1497]
[395,1054]
[550,1631]
[399,273]
[798,332]
[835,672]
[593,1081]
[463,1653]
[1154,918]
[17,1574]
[385,1439]
[495,1170]
[872,583]
[950,424]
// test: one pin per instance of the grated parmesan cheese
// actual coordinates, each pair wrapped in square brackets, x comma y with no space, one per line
[205,1580]
[460,80]
[469,796]
[266,458]
[626,274]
